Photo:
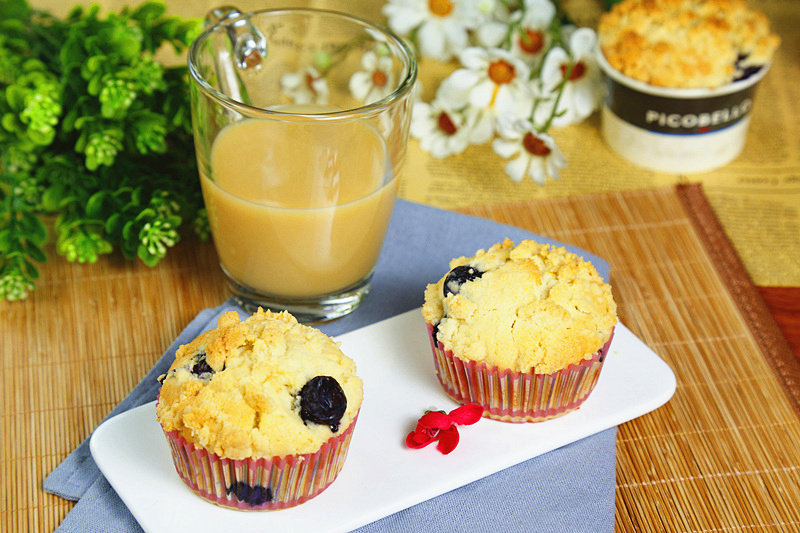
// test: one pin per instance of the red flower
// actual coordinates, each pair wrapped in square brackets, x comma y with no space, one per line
[441,426]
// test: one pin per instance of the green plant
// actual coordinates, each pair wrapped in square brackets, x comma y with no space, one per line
[95,133]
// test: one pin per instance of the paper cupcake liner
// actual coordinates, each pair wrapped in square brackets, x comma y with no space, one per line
[262,484]
[516,396]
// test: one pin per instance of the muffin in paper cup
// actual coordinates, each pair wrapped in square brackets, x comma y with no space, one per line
[681,78]
[511,396]
[260,484]
[259,414]
[522,330]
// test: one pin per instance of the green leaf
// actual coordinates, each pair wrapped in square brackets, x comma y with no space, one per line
[129,231]
[35,252]
[94,207]
[146,213]
[5,241]
[9,122]
[113,224]
[71,54]
[15,96]
[95,84]
[149,11]
[146,257]
[42,138]
[33,227]
[51,197]
[31,270]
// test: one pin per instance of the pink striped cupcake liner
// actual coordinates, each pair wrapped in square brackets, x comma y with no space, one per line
[262,484]
[512,396]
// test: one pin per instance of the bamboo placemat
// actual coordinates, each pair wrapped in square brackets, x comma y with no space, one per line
[720,455]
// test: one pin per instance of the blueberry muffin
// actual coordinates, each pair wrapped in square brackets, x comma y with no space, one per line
[686,43]
[522,330]
[259,413]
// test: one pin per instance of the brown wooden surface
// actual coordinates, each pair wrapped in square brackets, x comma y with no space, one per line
[784,306]
[722,454]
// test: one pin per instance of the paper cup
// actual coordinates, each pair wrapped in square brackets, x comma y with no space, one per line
[676,130]
[511,396]
[262,484]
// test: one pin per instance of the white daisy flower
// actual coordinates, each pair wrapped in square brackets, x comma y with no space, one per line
[492,82]
[441,25]
[375,81]
[581,94]
[534,154]
[532,37]
[440,131]
[305,86]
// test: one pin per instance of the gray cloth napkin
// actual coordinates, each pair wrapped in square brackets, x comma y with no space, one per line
[569,489]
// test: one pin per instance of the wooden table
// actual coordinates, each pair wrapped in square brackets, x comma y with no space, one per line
[784,306]
[714,457]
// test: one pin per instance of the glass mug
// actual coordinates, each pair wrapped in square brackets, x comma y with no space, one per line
[301,121]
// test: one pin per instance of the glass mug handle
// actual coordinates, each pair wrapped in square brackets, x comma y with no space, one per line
[240,47]
[249,44]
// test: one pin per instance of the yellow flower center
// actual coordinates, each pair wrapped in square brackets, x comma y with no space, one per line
[531,41]
[379,78]
[501,71]
[440,8]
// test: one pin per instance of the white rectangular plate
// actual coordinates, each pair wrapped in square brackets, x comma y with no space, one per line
[394,360]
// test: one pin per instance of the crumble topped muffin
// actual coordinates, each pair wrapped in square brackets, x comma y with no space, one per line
[686,43]
[527,308]
[266,386]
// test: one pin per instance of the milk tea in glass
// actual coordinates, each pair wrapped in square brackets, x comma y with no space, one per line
[301,122]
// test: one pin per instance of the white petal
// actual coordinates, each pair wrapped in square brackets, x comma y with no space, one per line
[456,144]
[481,95]
[455,34]
[360,84]
[506,149]
[551,68]
[510,127]
[481,128]
[403,19]
[474,57]
[385,64]
[553,170]
[303,97]
[582,42]
[369,60]
[461,80]
[438,147]
[450,95]
[543,112]
[536,170]
[420,109]
[513,99]
[291,80]
[584,102]
[516,167]
[491,33]
[432,42]
[538,14]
